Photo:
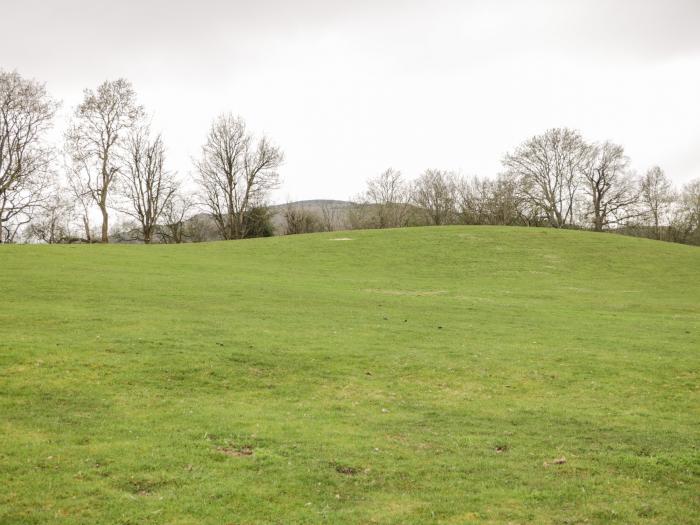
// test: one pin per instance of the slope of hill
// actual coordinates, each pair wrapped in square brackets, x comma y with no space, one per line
[427,375]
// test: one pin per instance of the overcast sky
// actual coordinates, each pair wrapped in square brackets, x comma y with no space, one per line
[349,88]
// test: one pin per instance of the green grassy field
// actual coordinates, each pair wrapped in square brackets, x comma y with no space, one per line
[428,375]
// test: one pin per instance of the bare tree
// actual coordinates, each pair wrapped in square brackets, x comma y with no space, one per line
[494,201]
[146,185]
[384,204]
[297,219]
[236,174]
[508,205]
[26,113]
[387,200]
[610,189]
[175,212]
[656,193]
[82,199]
[475,200]
[52,224]
[332,217]
[96,135]
[435,192]
[687,217]
[548,169]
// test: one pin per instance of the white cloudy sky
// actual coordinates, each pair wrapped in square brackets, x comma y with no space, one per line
[349,88]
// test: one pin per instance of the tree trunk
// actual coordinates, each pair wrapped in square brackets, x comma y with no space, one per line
[656,225]
[105,223]
[86,224]
[597,218]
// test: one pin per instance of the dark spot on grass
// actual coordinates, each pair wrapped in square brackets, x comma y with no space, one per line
[646,511]
[235,451]
[346,469]
[143,487]
[558,461]
[500,449]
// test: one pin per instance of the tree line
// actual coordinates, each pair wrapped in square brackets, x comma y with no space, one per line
[556,179]
[112,161]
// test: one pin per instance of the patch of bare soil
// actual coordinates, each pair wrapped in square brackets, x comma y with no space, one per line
[558,461]
[346,469]
[236,452]
[143,487]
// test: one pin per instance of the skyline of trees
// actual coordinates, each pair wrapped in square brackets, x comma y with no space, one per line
[114,162]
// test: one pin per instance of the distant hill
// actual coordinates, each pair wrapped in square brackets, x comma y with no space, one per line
[333,211]
[314,203]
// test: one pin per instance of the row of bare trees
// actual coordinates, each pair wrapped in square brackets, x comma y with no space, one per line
[569,182]
[556,179]
[112,161]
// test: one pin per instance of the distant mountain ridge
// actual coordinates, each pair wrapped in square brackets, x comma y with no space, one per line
[312,202]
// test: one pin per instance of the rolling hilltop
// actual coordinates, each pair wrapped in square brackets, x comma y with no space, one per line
[423,375]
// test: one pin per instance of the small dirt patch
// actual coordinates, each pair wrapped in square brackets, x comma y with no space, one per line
[236,452]
[341,239]
[558,461]
[143,487]
[346,469]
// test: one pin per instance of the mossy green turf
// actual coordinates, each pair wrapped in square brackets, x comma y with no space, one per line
[404,376]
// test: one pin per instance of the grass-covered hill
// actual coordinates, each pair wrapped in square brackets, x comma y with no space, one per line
[427,375]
